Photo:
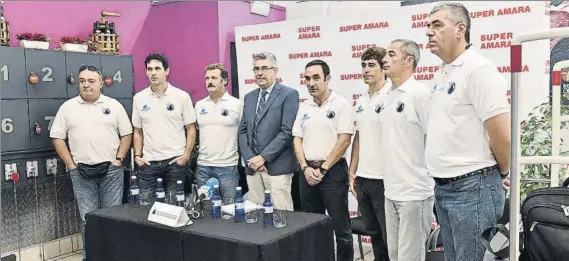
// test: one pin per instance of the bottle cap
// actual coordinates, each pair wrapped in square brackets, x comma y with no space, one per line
[179,182]
[238,188]
[133,177]
[159,179]
[215,186]
[267,191]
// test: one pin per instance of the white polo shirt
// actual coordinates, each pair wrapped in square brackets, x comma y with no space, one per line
[93,129]
[218,125]
[468,91]
[162,120]
[367,124]
[403,124]
[319,126]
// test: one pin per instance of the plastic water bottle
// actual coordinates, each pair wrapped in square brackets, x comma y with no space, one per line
[216,203]
[239,206]
[134,191]
[160,192]
[268,210]
[180,196]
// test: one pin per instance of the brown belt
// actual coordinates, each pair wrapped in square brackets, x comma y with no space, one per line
[318,163]
[314,164]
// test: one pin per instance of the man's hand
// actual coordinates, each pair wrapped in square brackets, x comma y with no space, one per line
[256,162]
[116,163]
[313,176]
[262,169]
[140,161]
[352,185]
[181,160]
[506,183]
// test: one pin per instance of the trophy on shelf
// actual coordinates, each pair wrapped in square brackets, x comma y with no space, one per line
[104,37]
[4,27]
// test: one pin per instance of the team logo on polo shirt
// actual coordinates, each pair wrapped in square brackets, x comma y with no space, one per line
[434,88]
[331,115]
[224,112]
[360,109]
[400,106]
[170,107]
[451,88]
[145,107]
[203,111]
[106,111]
[378,108]
[305,116]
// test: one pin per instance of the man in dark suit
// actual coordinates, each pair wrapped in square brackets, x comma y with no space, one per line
[265,135]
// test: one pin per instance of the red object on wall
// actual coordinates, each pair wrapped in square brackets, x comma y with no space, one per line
[33,78]
[108,80]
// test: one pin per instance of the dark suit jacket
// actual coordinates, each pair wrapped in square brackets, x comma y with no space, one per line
[274,131]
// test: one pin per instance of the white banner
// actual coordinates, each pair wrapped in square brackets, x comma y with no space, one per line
[340,40]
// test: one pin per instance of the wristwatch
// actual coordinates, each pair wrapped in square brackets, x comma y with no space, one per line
[119,159]
[505,175]
[304,168]
[323,171]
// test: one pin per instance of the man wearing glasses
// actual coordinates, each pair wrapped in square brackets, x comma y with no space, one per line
[265,135]
[99,134]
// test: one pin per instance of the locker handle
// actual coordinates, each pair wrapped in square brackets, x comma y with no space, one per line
[38,128]
[33,78]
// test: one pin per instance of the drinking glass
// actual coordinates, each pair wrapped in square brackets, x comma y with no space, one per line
[227,208]
[145,199]
[279,218]
[252,216]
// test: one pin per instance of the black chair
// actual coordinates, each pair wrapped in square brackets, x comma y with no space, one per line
[359,229]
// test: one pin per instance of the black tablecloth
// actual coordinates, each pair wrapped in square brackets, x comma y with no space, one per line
[122,233]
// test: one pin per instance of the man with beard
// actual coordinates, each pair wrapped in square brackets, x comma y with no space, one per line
[403,123]
[93,123]
[468,141]
[322,132]
[164,119]
[218,117]
[366,172]
[265,135]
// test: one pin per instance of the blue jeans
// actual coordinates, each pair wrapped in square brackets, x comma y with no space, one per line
[465,208]
[170,173]
[96,194]
[228,178]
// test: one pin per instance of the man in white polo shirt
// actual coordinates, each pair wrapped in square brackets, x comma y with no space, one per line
[218,117]
[99,134]
[322,132]
[164,119]
[366,172]
[403,123]
[468,141]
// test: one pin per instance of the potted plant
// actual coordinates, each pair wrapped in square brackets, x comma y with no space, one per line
[536,141]
[33,40]
[74,44]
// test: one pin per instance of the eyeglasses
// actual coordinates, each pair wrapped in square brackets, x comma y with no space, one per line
[89,68]
[264,69]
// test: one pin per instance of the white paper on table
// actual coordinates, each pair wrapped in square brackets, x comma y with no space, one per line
[249,206]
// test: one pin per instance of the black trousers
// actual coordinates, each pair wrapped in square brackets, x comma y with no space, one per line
[371,202]
[332,194]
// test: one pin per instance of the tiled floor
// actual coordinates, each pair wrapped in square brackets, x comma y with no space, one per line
[367,251]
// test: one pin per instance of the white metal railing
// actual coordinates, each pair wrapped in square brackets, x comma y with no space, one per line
[515,157]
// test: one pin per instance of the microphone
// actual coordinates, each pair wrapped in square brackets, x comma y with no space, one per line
[206,191]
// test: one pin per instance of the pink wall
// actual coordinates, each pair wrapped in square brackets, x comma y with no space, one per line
[191,34]
[74,18]
[186,32]
[236,13]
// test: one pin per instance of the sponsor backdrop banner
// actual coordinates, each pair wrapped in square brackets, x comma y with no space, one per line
[341,39]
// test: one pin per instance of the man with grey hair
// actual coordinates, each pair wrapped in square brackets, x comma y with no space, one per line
[468,141]
[265,135]
[409,195]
